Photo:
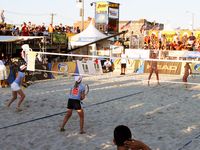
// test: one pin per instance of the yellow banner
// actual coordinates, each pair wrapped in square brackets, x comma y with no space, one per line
[197,34]
[102,7]
[155,32]
[63,67]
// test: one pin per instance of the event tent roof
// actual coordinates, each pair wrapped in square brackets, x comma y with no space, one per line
[90,34]
[18,38]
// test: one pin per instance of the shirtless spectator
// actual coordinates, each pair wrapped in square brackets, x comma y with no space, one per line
[123,140]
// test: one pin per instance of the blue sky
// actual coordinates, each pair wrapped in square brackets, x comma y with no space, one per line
[173,13]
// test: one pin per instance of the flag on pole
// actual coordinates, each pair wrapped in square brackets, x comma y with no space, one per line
[127,25]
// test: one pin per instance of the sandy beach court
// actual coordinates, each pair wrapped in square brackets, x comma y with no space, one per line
[164,117]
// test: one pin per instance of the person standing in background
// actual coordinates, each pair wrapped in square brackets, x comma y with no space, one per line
[124,60]
[187,72]
[153,68]
[3,72]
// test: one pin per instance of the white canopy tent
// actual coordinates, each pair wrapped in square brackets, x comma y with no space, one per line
[90,34]
[10,40]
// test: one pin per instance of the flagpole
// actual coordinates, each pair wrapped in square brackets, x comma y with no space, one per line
[82,14]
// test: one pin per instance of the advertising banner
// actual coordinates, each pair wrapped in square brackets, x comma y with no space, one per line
[165,67]
[63,68]
[107,17]
[102,7]
[176,53]
[192,54]
[101,18]
[185,33]
[117,49]
[169,35]
[113,13]
[137,53]
[197,34]
[103,52]
[195,68]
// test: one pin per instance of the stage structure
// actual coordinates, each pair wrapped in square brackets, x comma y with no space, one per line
[107,17]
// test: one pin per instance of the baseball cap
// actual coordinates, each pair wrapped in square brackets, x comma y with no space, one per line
[78,78]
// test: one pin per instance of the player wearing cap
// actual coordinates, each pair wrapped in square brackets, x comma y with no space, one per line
[15,87]
[77,93]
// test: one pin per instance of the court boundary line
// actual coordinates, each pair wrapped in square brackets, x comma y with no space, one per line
[60,113]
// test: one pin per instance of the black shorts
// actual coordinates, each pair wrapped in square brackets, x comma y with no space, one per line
[74,104]
[123,65]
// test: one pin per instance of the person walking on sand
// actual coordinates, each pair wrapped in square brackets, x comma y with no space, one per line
[187,72]
[153,68]
[16,90]
[77,93]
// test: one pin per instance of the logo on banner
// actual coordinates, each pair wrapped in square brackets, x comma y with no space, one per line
[197,67]
[113,13]
[101,7]
[63,68]
[165,67]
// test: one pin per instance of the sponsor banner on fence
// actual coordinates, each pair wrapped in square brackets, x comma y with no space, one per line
[165,67]
[134,65]
[63,68]
[137,53]
[103,52]
[192,54]
[117,49]
[176,53]
[186,54]
[195,68]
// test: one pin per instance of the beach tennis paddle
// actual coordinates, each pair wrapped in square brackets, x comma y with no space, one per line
[192,76]
[87,89]
[86,92]
[26,84]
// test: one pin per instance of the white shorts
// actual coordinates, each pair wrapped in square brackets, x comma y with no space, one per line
[15,87]
[2,75]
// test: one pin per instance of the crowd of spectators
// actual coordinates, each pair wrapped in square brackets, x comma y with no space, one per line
[30,29]
[177,42]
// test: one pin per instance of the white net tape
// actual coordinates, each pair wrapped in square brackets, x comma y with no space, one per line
[85,66]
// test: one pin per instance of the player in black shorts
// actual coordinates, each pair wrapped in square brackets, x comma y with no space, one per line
[77,93]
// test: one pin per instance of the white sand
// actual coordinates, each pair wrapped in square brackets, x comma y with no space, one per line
[165,117]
